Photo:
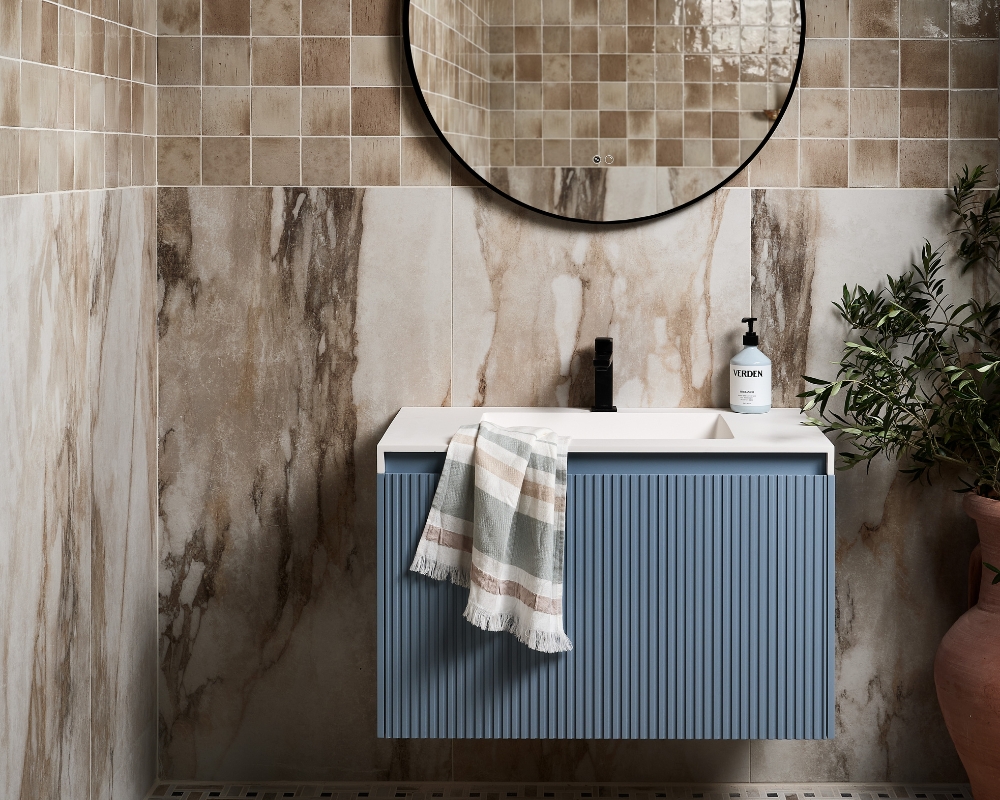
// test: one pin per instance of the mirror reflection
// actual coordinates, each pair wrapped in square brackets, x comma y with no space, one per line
[604,110]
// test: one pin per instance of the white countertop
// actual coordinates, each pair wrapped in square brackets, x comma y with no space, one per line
[634,430]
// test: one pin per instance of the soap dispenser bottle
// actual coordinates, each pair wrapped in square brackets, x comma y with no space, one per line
[750,376]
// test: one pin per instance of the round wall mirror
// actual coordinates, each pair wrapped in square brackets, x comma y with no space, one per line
[604,110]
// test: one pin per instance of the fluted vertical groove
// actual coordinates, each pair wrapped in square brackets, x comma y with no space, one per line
[700,607]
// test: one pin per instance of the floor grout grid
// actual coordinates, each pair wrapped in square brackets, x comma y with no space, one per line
[190,790]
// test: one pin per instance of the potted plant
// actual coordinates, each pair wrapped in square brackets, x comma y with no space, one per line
[919,380]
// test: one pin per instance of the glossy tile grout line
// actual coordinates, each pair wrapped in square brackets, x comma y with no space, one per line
[561,791]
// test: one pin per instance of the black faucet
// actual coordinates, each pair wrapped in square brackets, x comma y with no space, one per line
[604,375]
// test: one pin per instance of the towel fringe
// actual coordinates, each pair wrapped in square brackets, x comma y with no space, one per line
[434,569]
[543,641]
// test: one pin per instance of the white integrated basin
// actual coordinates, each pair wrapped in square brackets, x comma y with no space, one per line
[655,430]
[619,426]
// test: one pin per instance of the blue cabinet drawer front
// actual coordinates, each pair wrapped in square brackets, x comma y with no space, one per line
[700,606]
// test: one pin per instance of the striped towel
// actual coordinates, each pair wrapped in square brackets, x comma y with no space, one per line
[498,526]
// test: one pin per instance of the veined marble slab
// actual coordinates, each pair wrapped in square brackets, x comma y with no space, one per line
[293,324]
[902,548]
[76,414]
[531,294]
[122,378]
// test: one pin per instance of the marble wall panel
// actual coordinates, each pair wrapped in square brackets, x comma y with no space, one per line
[44,509]
[902,548]
[532,293]
[69,353]
[122,371]
[293,324]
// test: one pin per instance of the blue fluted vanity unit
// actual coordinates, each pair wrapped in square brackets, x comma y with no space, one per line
[699,590]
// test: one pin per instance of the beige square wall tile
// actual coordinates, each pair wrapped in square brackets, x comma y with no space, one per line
[827,19]
[138,56]
[923,114]
[375,161]
[149,121]
[178,60]
[275,17]
[375,61]
[66,95]
[326,17]
[225,161]
[27,181]
[31,95]
[178,160]
[124,107]
[81,100]
[274,60]
[149,158]
[97,49]
[179,111]
[50,33]
[326,161]
[973,19]
[824,112]
[923,19]
[151,60]
[972,153]
[139,108]
[275,161]
[873,162]
[326,61]
[824,163]
[67,38]
[424,161]
[974,64]
[125,177]
[824,63]
[923,163]
[110,49]
[326,111]
[375,111]
[138,162]
[923,64]
[124,53]
[274,111]
[30,30]
[874,113]
[226,61]
[9,161]
[48,161]
[226,111]
[111,162]
[225,17]
[81,160]
[874,19]
[874,63]
[10,92]
[374,17]
[74,41]
[776,165]
[973,113]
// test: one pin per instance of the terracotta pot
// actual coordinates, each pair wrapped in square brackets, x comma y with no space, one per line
[967,667]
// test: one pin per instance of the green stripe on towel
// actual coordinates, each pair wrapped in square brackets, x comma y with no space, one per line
[500,535]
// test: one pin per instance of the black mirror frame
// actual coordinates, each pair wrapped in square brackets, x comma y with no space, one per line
[407,48]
